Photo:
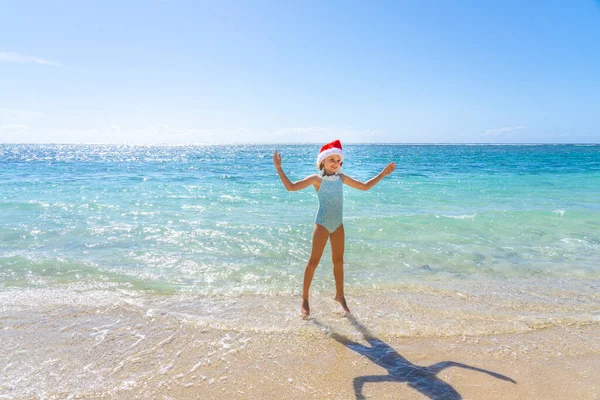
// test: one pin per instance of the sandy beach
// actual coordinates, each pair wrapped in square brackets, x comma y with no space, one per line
[157,272]
[124,351]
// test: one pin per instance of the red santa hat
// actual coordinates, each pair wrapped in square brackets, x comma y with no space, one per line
[330,149]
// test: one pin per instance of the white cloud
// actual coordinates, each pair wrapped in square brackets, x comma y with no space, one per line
[117,134]
[14,128]
[503,131]
[20,58]
[165,134]
[316,134]
[11,115]
[13,133]
[300,134]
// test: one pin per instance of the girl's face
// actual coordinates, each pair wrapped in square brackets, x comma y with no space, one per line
[332,164]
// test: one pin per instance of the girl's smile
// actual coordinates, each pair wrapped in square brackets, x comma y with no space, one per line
[332,163]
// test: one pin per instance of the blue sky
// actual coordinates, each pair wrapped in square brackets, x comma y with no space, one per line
[418,71]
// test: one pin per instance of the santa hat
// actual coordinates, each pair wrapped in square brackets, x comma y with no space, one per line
[330,149]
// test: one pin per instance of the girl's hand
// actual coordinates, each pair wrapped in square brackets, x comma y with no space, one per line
[277,159]
[389,169]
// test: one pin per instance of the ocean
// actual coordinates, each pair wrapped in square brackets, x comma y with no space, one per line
[459,240]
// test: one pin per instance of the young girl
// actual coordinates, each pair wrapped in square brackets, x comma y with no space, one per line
[328,224]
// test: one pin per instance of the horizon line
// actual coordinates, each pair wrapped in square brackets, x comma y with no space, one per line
[308,143]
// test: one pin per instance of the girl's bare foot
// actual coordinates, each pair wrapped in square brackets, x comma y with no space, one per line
[342,301]
[305,308]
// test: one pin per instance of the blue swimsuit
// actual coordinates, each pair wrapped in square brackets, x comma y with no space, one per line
[331,202]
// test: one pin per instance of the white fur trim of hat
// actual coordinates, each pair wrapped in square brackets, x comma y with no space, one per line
[330,149]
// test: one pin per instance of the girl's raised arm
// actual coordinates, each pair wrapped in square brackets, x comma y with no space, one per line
[371,182]
[299,185]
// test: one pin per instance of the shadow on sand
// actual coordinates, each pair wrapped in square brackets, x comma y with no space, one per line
[423,379]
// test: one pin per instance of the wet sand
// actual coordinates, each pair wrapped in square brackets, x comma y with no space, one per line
[117,352]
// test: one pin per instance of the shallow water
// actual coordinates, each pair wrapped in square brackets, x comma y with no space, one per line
[459,240]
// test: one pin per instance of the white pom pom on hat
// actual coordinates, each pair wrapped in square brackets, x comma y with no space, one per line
[330,149]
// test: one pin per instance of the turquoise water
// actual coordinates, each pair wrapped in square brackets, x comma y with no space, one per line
[216,220]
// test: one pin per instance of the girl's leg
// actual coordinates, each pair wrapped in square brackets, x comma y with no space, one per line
[337,240]
[319,240]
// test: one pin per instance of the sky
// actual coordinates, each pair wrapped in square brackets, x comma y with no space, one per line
[220,71]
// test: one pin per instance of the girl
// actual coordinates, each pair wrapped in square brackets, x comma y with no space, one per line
[328,224]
